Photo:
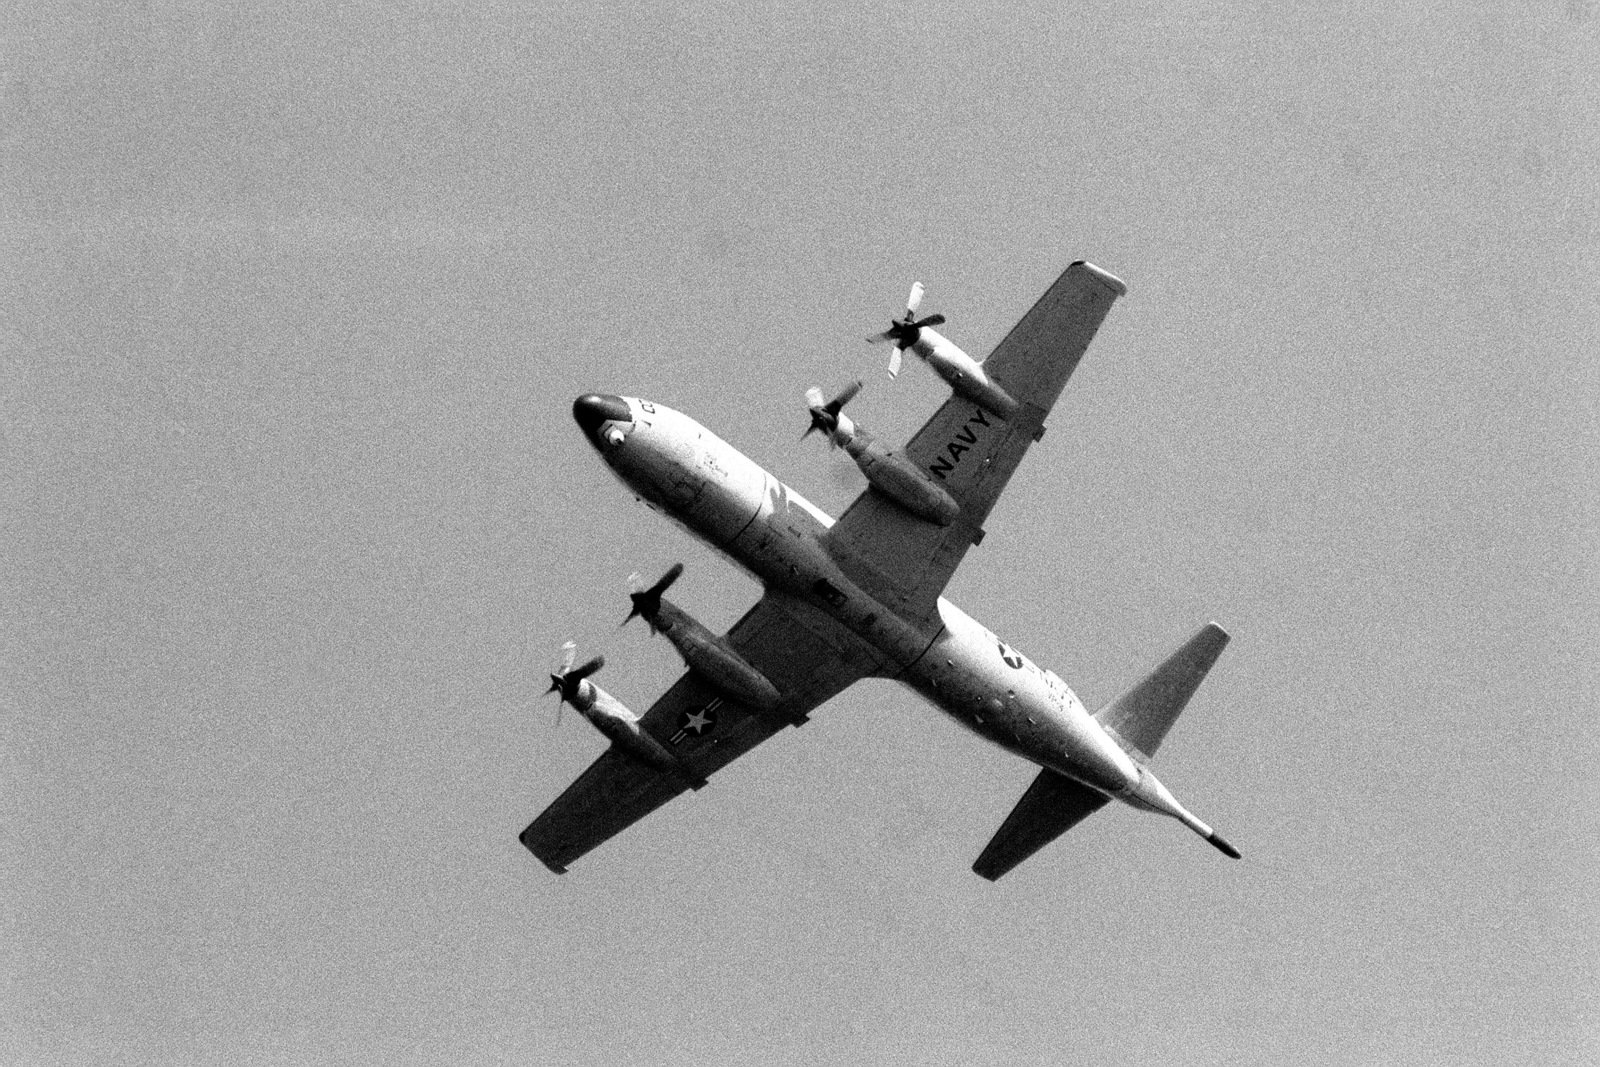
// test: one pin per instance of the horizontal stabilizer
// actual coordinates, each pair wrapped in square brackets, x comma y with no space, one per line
[1141,717]
[1052,805]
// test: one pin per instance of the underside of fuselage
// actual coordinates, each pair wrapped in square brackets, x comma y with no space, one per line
[960,666]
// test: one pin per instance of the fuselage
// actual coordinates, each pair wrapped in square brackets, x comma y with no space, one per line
[677,466]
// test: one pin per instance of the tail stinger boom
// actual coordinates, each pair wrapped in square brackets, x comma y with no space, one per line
[1138,720]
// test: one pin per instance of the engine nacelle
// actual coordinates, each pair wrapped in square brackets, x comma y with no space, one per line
[886,469]
[621,727]
[613,719]
[895,476]
[902,481]
[712,658]
[965,374]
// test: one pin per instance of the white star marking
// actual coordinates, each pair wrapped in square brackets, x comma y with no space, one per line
[697,721]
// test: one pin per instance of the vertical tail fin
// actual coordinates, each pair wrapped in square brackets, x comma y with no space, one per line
[1140,718]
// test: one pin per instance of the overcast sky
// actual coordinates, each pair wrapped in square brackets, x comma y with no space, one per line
[294,302]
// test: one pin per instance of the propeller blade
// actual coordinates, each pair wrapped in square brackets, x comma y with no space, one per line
[647,602]
[825,416]
[903,331]
[572,678]
[555,687]
[837,403]
[567,681]
[636,589]
[674,572]
[914,301]
[820,421]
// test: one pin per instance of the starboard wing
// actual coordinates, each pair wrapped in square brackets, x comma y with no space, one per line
[905,561]
[807,656]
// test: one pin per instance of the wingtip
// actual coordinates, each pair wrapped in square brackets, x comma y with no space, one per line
[1105,277]
[533,845]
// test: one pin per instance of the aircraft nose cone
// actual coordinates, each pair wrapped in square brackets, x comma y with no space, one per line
[593,410]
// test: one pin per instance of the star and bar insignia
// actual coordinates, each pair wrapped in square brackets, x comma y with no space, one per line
[698,722]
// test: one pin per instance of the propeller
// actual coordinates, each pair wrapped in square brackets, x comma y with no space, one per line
[566,681]
[905,331]
[647,602]
[825,417]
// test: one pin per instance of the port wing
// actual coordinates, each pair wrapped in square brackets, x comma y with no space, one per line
[971,453]
[807,656]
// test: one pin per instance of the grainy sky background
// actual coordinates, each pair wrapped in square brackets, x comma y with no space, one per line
[294,301]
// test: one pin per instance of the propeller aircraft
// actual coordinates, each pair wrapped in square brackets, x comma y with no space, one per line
[860,596]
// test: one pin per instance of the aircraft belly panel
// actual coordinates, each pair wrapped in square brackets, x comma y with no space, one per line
[993,689]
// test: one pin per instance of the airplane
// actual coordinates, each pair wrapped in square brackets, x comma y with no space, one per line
[860,597]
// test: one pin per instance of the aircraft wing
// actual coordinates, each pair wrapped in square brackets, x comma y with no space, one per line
[905,561]
[806,655]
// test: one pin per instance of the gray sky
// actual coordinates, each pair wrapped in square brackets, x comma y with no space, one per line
[293,305]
